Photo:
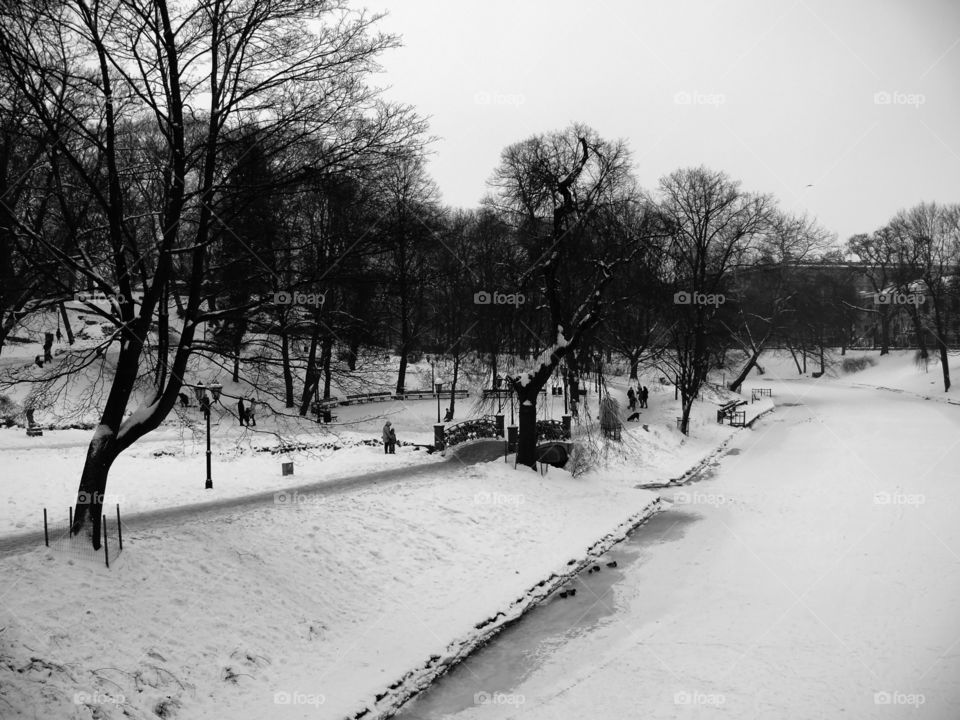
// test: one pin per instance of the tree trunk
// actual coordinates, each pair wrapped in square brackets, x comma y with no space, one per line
[527,433]
[884,329]
[312,376]
[66,324]
[402,372]
[352,353]
[287,372]
[942,346]
[918,330]
[325,358]
[453,386]
[795,361]
[634,367]
[93,484]
[686,406]
[742,376]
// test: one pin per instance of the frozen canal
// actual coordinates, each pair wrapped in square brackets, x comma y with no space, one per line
[816,574]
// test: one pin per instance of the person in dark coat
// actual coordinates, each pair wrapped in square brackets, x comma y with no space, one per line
[387,430]
[393,441]
[251,412]
[632,398]
[448,416]
[644,396]
[241,412]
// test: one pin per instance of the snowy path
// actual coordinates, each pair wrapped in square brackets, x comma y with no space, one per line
[474,452]
[818,576]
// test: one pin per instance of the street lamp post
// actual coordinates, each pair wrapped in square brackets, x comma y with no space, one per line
[205,403]
[438,386]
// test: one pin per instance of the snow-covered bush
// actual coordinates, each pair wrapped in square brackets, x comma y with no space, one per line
[9,411]
[856,364]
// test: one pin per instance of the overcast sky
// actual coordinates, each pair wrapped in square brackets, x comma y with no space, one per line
[858,98]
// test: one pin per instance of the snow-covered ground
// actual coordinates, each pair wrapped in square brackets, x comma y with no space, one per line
[315,604]
[814,574]
[322,599]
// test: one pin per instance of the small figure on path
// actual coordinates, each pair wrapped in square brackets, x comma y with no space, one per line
[448,416]
[251,412]
[241,412]
[632,398]
[393,441]
[184,400]
[47,347]
[644,396]
[387,430]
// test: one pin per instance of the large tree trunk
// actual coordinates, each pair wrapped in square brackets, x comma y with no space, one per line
[93,484]
[742,376]
[634,367]
[527,432]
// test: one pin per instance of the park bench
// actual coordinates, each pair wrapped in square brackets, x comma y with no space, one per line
[728,410]
[505,393]
[459,394]
[757,393]
[367,397]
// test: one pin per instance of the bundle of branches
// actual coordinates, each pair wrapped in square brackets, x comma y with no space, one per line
[609,413]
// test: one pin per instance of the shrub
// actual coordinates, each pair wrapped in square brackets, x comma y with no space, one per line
[9,411]
[856,364]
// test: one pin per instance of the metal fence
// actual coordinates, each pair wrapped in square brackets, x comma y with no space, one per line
[56,535]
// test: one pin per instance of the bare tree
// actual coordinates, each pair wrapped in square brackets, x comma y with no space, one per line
[190,73]
[712,225]
[555,189]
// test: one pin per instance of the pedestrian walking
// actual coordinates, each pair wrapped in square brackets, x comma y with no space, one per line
[632,398]
[393,441]
[241,412]
[251,412]
[387,430]
[644,396]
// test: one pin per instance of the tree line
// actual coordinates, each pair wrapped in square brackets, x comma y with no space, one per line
[226,174]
